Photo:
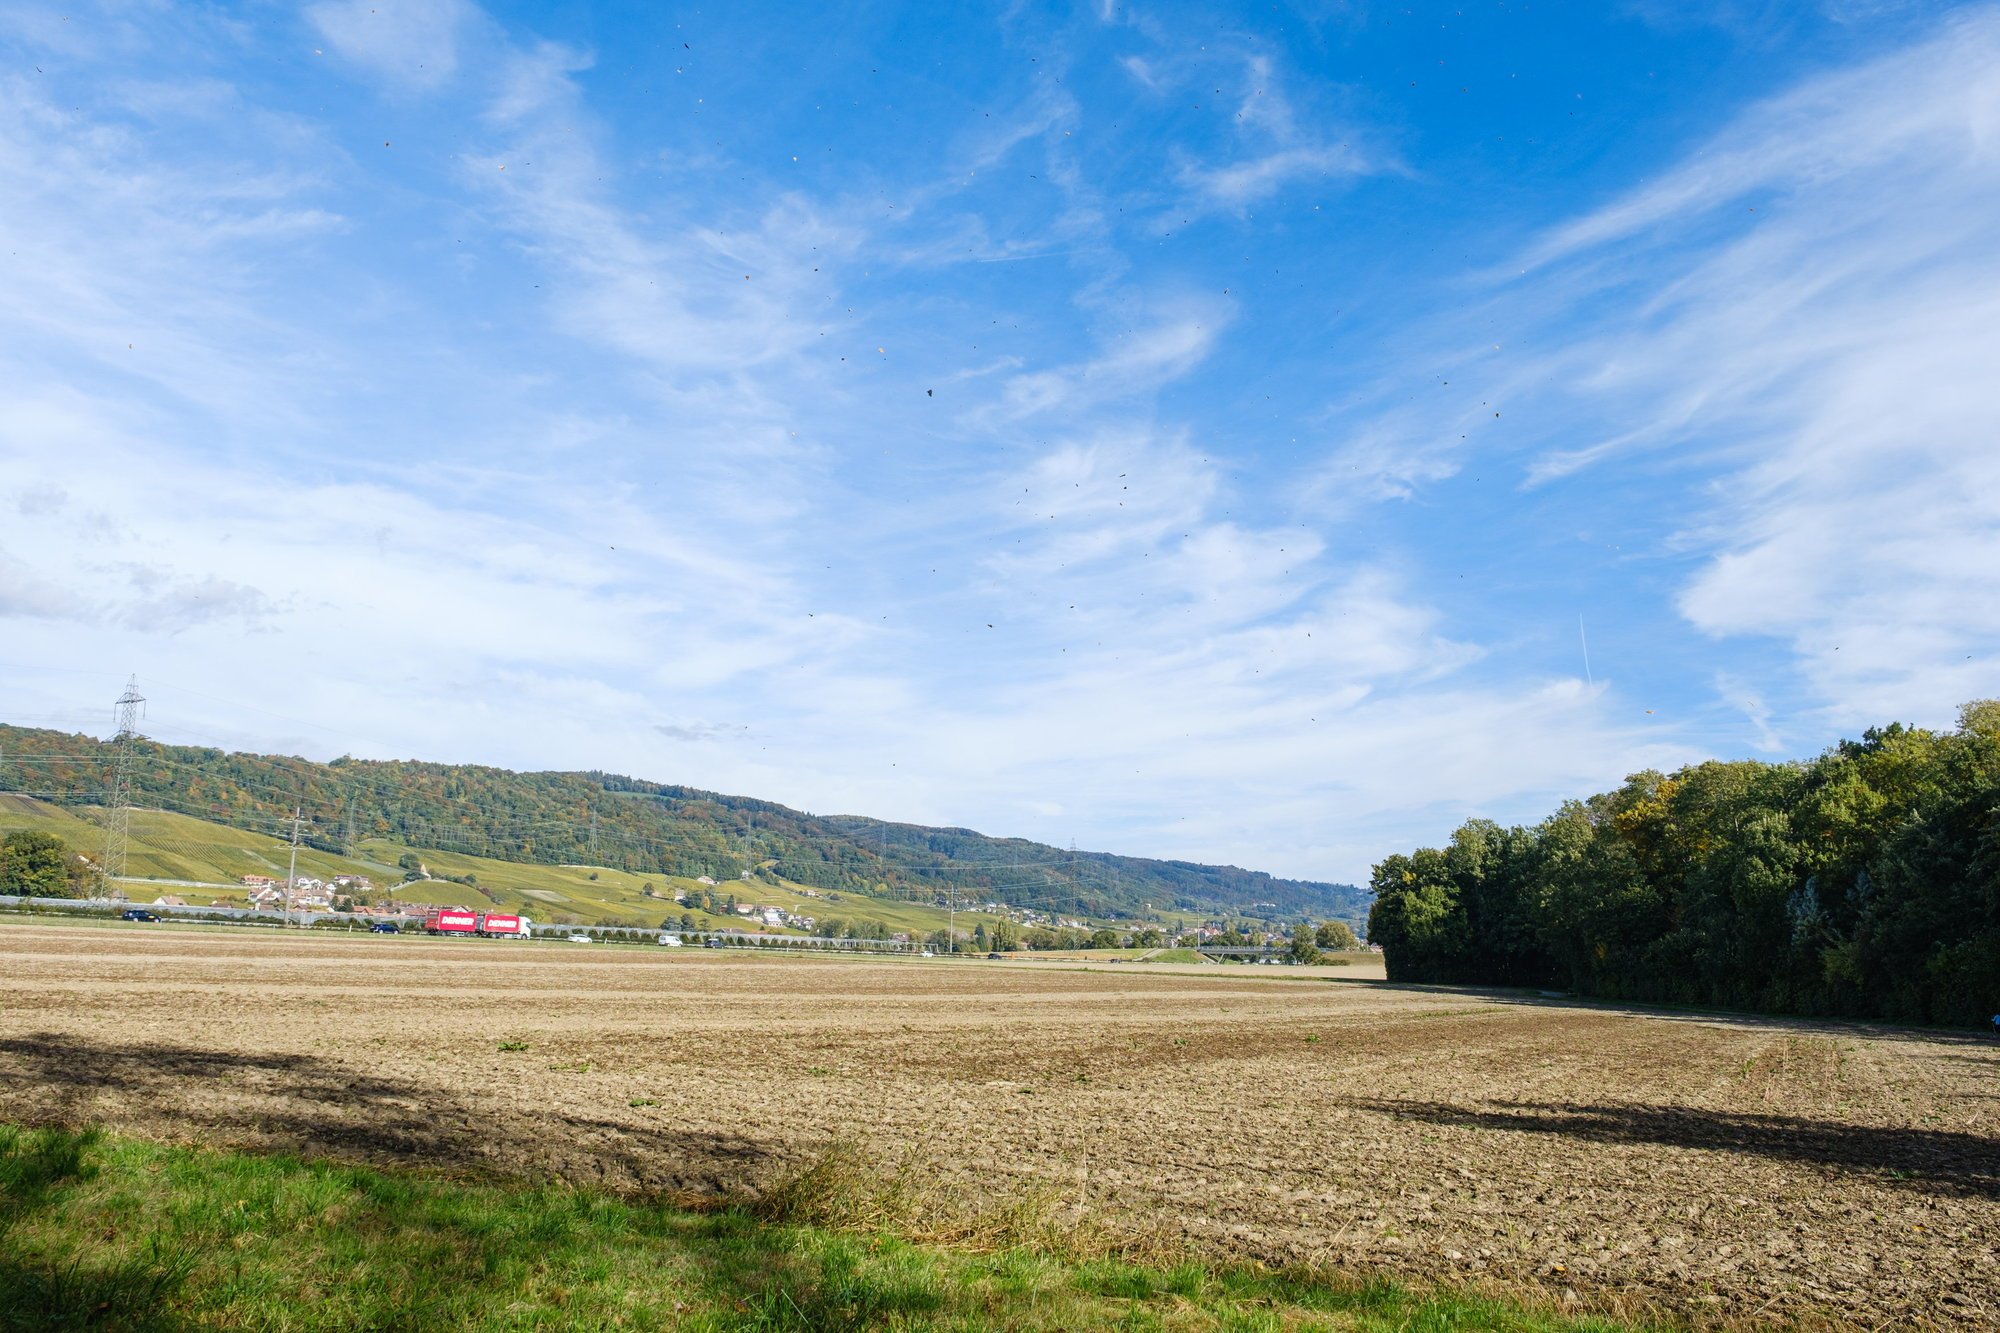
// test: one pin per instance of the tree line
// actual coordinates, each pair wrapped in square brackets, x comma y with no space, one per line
[1862,883]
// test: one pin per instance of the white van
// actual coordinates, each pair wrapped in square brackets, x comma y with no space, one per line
[671,941]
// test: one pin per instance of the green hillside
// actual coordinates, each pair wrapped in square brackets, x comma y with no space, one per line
[169,846]
[357,810]
[202,862]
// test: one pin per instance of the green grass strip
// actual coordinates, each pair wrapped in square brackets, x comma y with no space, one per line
[109,1233]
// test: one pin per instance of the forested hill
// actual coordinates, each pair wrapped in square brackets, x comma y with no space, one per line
[610,820]
[1865,882]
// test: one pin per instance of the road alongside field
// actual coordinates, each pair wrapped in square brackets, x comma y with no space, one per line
[1716,1166]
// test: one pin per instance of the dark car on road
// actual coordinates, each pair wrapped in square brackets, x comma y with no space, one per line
[383,928]
[138,914]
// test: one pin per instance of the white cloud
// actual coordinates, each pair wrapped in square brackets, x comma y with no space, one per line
[121,254]
[1277,149]
[1142,70]
[1832,135]
[1832,332]
[1235,185]
[1157,344]
[1381,459]
[212,406]
[407,43]
[31,594]
[1784,341]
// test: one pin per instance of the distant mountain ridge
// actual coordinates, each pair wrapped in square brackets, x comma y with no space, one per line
[631,824]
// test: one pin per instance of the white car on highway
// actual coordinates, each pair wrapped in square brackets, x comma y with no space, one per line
[579,939]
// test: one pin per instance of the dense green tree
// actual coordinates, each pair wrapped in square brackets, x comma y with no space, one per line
[36,865]
[1864,882]
[1335,936]
[1303,948]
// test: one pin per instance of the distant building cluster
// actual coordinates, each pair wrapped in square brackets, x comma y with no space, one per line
[775,916]
[308,891]
[1028,916]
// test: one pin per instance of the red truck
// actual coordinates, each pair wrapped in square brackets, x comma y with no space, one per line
[465,921]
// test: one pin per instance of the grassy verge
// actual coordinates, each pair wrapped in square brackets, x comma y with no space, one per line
[106,1233]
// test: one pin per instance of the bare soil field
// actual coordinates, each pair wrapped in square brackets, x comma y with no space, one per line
[1726,1169]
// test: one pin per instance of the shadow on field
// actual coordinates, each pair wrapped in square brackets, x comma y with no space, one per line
[315,1108]
[1935,1161]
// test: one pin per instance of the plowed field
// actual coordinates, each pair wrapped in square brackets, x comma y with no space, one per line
[1721,1167]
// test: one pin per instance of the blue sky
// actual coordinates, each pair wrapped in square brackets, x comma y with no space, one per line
[1195,432]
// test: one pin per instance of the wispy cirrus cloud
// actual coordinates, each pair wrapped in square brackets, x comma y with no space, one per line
[408,44]
[1828,331]
[1792,321]
[1274,148]
[700,298]
[1237,184]
[1159,341]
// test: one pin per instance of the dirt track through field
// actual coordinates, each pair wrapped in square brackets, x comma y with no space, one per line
[1722,1167]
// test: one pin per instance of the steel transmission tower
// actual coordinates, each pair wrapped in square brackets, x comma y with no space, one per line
[118,815]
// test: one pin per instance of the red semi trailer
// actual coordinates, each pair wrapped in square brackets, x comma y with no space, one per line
[451,921]
[501,926]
